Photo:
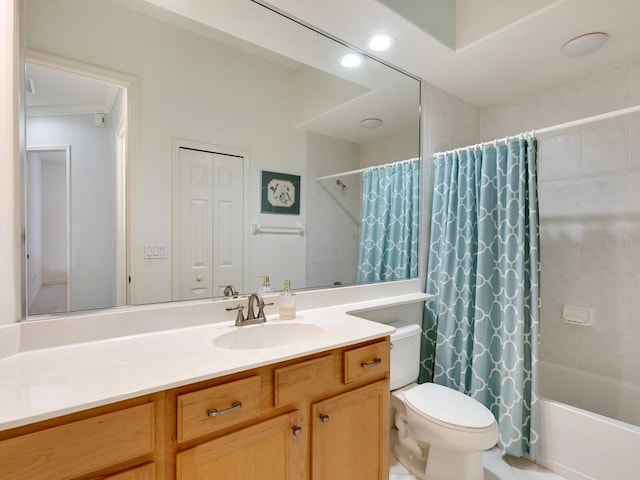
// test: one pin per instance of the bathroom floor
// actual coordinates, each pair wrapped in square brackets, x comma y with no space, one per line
[496,467]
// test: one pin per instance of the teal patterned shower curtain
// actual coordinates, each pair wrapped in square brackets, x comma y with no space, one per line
[481,329]
[389,232]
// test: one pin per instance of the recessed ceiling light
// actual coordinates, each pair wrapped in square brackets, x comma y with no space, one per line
[585,44]
[371,122]
[380,42]
[351,60]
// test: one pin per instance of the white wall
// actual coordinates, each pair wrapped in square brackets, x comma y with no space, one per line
[92,203]
[54,220]
[10,237]
[589,216]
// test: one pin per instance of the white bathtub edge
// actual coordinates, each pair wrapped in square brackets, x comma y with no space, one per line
[582,446]
[563,470]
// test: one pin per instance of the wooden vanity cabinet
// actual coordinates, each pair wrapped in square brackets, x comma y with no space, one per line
[116,442]
[321,417]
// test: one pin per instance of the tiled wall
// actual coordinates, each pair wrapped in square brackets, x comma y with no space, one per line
[326,200]
[589,190]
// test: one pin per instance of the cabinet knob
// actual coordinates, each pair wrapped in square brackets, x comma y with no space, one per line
[296,430]
[324,418]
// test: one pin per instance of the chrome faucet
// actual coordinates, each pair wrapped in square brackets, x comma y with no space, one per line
[251,319]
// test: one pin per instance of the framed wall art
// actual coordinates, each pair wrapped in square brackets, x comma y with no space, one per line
[280,193]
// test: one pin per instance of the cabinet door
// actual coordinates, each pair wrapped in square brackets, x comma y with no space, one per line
[350,435]
[268,450]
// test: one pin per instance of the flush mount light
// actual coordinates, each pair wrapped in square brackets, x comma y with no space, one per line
[584,44]
[371,122]
[351,60]
[380,42]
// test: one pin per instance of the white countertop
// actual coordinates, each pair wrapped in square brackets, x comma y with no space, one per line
[46,383]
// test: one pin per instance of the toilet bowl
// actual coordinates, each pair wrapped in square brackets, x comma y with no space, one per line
[441,432]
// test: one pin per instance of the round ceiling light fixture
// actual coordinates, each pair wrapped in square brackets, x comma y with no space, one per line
[371,123]
[380,42]
[351,60]
[585,44]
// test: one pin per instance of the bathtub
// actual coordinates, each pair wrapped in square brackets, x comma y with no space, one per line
[585,441]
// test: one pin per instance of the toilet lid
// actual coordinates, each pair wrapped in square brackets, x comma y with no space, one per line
[448,406]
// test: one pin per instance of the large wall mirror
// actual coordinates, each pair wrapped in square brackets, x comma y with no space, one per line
[156,131]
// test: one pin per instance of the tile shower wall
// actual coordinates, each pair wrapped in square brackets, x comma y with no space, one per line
[589,186]
[326,156]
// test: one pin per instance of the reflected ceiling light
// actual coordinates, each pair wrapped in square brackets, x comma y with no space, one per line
[585,44]
[380,42]
[351,60]
[371,122]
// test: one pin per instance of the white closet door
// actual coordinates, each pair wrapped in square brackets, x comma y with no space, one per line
[210,223]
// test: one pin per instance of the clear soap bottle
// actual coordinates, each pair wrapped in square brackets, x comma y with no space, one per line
[266,287]
[287,302]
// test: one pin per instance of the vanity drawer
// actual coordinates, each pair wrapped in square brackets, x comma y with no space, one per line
[366,362]
[79,448]
[304,379]
[212,409]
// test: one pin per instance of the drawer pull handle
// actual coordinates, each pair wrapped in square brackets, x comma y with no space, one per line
[235,406]
[376,361]
[324,418]
[297,430]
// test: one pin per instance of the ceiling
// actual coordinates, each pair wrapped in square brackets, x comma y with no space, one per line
[63,93]
[503,49]
[329,99]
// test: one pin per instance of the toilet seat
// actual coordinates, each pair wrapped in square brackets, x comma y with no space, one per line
[449,408]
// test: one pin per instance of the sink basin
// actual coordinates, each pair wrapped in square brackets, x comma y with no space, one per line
[267,335]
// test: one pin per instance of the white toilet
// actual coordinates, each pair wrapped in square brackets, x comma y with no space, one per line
[441,432]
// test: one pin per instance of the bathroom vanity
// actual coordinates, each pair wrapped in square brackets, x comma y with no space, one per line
[205,402]
[315,417]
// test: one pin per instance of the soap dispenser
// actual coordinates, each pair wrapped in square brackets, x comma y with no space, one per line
[287,303]
[265,288]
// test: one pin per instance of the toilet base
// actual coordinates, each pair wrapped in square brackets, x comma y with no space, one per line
[411,455]
[449,465]
[407,458]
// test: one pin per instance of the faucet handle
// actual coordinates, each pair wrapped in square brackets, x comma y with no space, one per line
[240,317]
[261,308]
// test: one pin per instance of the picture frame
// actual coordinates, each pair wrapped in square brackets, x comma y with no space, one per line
[280,193]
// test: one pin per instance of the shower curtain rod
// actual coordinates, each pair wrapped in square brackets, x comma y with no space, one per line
[554,128]
[354,172]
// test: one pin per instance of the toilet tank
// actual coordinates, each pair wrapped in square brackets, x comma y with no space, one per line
[405,355]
